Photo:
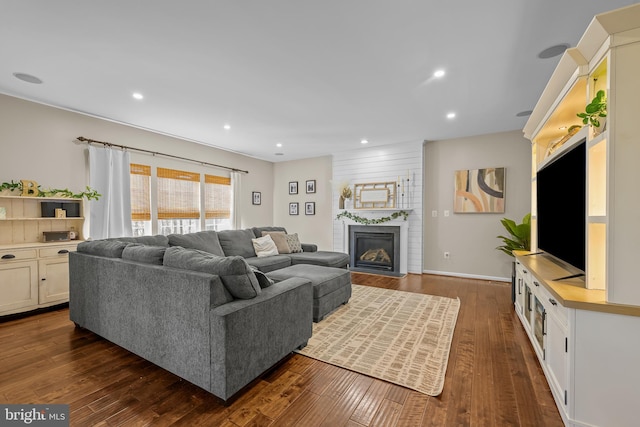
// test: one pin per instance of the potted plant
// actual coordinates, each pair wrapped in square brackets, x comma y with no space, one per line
[519,235]
[595,110]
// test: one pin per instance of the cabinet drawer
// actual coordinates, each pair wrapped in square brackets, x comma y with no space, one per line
[17,254]
[57,251]
[552,305]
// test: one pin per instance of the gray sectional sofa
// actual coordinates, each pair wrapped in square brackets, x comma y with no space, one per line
[200,305]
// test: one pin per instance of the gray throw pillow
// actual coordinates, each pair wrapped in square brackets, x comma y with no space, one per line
[263,280]
[105,248]
[144,254]
[206,241]
[236,275]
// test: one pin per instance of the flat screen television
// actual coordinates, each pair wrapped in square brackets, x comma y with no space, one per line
[561,206]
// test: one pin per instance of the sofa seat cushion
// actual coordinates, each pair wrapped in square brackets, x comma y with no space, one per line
[236,275]
[324,258]
[206,241]
[269,263]
[237,243]
[325,280]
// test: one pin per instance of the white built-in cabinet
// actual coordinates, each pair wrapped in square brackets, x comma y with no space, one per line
[586,330]
[33,273]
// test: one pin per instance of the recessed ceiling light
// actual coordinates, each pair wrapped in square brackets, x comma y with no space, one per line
[364,141]
[227,126]
[451,115]
[137,95]
[439,73]
[27,78]
[554,50]
[279,144]
[524,113]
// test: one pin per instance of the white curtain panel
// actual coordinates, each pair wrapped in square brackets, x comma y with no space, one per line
[236,183]
[109,174]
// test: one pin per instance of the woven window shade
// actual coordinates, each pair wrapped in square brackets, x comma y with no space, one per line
[140,192]
[217,197]
[178,194]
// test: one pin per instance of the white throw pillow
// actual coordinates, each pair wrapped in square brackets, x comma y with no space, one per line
[264,246]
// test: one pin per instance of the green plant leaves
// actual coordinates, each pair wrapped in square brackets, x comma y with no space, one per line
[520,238]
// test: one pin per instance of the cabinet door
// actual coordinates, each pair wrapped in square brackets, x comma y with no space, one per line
[557,356]
[18,286]
[54,280]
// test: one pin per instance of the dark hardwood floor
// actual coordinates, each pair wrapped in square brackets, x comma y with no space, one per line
[493,377]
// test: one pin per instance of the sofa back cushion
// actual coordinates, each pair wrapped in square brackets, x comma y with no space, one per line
[144,254]
[259,231]
[236,275]
[206,241]
[237,243]
[157,240]
[105,248]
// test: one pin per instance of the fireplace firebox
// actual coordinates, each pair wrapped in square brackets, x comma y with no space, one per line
[375,249]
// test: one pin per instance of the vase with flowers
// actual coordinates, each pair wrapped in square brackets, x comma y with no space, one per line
[345,195]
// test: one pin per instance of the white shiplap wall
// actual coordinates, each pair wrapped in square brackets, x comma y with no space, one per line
[380,164]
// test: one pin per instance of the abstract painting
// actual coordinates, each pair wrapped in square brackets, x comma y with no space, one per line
[479,190]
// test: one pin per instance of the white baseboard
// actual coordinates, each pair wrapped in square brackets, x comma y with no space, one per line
[468,276]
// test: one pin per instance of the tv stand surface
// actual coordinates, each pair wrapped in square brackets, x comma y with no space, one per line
[570,291]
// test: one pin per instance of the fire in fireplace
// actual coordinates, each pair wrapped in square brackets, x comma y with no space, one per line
[375,249]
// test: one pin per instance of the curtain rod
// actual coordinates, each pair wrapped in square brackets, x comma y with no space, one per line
[124,147]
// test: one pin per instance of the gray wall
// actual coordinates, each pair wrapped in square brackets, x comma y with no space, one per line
[471,238]
[37,143]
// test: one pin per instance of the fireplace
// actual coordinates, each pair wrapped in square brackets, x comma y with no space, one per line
[375,249]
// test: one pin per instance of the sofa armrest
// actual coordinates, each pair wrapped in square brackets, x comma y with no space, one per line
[250,336]
[309,247]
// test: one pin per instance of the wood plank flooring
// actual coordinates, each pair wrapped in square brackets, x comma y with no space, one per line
[493,377]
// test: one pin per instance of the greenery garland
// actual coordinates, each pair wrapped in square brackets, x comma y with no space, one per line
[90,194]
[367,221]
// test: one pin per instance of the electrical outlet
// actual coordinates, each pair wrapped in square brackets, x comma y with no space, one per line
[446,213]
[447,255]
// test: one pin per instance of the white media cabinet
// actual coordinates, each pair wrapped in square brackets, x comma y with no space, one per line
[586,330]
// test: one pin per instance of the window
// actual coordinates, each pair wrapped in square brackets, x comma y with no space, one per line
[178,201]
[217,202]
[140,199]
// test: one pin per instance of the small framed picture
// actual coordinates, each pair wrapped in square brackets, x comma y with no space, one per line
[293,187]
[293,208]
[310,208]
[311,186]
[256,198]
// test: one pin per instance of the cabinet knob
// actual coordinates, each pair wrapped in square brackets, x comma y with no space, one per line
[63,251]
[553,302]
[8,256]
[536,283]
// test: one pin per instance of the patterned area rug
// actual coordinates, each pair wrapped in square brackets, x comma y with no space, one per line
[400,337]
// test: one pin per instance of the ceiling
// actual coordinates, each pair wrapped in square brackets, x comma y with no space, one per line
[314,76]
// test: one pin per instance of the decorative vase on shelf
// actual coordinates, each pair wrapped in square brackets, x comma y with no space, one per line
[341,203]
[347,204]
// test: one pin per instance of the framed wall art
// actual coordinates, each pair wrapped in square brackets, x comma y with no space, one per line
[310,208]
[479,190]
[311,186]
[293,208]
[256,198]
[293,187]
